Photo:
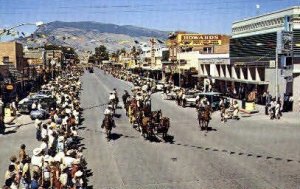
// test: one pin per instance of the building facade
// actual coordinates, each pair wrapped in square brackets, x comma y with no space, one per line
[35,57]
[53,56]
[11,53]
[187,51]
[265,55]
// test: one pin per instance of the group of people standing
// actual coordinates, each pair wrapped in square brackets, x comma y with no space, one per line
[58,162]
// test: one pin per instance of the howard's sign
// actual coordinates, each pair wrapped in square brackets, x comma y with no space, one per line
[198,39]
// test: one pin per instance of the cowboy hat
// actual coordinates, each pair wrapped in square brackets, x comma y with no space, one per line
[61,138]
[37,151]
[76,162]
[78,174]
[43,146]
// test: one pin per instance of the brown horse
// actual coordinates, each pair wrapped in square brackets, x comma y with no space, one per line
[108,123]
[163,126]
[156,116]
[147,127]
[204,117]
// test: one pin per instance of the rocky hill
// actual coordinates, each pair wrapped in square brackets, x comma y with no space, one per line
[85,36]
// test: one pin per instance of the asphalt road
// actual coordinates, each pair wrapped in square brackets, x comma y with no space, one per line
[253,152]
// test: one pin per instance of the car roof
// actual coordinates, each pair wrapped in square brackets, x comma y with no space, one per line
[210,93]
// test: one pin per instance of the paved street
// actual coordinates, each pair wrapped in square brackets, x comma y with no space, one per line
[251,153]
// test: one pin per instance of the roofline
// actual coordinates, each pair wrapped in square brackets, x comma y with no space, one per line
[266,14]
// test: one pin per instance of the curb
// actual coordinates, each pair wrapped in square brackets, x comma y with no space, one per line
[11,120]
[249,112]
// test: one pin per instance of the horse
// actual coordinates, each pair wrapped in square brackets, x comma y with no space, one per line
[114,104]
[204,117]
[147,127]
[163,126]
[108,123]
[156,116]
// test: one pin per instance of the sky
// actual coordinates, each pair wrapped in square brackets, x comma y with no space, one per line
[201,16]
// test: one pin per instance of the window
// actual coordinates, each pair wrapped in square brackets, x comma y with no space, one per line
[207,50]
[5,59]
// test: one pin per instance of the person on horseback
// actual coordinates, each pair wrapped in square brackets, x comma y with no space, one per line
[108,111]
[108,121]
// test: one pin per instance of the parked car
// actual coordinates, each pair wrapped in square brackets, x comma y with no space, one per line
[39,114]
[46,101]
[24,106]
[190,99]
[45,92]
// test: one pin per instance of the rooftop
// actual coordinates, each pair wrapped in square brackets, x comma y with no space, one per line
[268,14]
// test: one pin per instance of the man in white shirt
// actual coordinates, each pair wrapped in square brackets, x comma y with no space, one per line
[112,97]
[33,106]
[108,111]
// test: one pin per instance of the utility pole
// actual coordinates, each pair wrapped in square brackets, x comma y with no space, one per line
[276,75]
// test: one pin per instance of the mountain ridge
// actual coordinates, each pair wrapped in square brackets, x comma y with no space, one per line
[86,35]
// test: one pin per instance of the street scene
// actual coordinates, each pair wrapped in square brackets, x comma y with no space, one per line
[110,104]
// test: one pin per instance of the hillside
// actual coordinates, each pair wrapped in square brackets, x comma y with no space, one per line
[85,36]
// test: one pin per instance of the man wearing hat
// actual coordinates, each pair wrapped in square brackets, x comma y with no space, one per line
[77,180]
[108,111]
[37,159]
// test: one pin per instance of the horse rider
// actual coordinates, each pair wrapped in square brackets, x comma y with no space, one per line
[108,112]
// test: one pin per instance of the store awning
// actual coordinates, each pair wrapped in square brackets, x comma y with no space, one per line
[242,80]
[233,79]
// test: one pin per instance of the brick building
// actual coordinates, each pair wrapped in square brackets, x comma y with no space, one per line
[11,53]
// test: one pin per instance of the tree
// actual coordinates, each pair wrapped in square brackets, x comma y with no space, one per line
[101,53]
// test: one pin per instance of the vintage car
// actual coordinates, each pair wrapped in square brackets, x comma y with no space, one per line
[190,98]
[47,102]
[213,98]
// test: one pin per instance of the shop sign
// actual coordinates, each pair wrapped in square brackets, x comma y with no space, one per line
[198,40]
[9,87]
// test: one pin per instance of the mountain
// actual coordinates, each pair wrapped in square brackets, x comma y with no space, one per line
[85,36]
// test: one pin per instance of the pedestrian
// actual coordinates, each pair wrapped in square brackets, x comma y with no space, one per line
[34,105]
[277,110]
[38,128]
[39,105]
[22,153]
[44,131]
[26,176]
[272,109]
[35,183]
[236,110]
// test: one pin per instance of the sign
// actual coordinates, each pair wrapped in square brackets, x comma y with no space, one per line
[9,87]
[198,39]
[272,64]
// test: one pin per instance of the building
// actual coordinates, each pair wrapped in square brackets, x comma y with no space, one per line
[35,57]
[187,51]
[11,53]
[54,56]
[265,55]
